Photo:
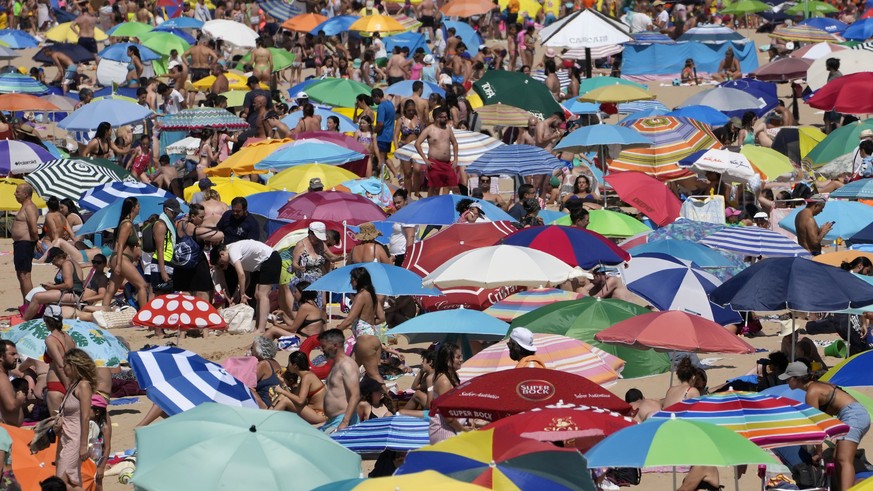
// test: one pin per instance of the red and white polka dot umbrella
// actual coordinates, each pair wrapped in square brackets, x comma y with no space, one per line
[176,311]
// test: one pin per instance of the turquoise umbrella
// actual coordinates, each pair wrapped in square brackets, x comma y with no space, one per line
[214,446]
[849,218]
[16,83]
[104,348]
[443,324]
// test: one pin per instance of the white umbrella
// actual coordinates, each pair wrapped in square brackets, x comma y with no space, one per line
[588,29]
[471,146]
[851,61]
[184,146]
[733,165]
[231,32]
[724,99]
[502,265]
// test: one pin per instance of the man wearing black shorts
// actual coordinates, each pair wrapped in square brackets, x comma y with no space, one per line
[264,266]
[24,237]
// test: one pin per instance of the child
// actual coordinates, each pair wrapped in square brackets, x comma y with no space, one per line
[689,73]
[99,437]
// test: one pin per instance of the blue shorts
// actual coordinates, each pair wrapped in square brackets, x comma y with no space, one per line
[858,418]
[384,147]
[458,79]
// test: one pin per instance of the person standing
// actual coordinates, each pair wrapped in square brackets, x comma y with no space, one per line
[24,237]
[385,116]
[343,388]
[164,233]
[237,223]
[75,416]
[83,27]
[257,258]
[809,234]
[442,154]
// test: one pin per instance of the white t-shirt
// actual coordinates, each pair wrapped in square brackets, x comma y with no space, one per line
[397,241]
[637,21]
[250,253]
[664,18]
[173,103]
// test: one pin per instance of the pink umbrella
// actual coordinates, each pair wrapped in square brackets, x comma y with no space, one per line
[783,70]
[648,195]
[331,205]
[340,139]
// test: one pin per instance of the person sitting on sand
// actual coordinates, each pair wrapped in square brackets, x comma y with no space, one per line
[803,348]
[729,68]
[642,407]
[306,397]
[419,404]
[701,478]
[308,320]
[67,285]
[375,402]
[267,372]
[692,383]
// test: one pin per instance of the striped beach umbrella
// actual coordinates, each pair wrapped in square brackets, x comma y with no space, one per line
[280,9]
[672,140]
[70,178]
[515,160]
[16,83]
[805,34]
[768,421]
[399,433]
[20,157]
[177,380]
[754,241]
[471,146]
[521,303]
[563,78]
[637,106]
[105,194]
[203,117]
[557,352]
[503,115]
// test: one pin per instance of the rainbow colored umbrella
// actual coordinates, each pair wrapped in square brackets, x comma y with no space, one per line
[768,421]
[557,352]
[805,34]
[523,302]
[420,481]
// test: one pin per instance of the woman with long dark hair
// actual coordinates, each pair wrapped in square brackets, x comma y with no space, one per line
[306,397]
[134,68]
[366,314]
[446,366]
[309,319]
[124,259]
[102,145]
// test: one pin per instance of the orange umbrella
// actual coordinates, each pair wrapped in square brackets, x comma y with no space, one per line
[303,22]
[837,258]
[25,102]
[243,162]
[467,8]
[30,469]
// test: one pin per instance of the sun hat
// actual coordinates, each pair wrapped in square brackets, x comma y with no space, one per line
[550,53]
[761,214]
[795,369]
[524,338]
[817,198]
[319,230]
[53,312]
[428,59]
[865,134]
[367,232]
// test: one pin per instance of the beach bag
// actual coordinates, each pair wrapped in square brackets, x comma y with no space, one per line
[807,475]
[148,238]
[625,476]
[113,320]
[187,253]
[239,318]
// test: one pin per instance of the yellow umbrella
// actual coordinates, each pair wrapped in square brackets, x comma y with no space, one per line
[377,23]
[235,82]
[839,257]
[296,179]
[7,198]
[616,93]
[532,7]
[809,137]
[768,162]
[235,98]
[243,162]
[229,188]
[420,481]
[474,100]
[62,33]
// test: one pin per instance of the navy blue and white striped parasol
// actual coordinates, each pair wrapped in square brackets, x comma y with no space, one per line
[177,380]
[754,241]
[399,433]
[523,160]
[280,9]
[102,196]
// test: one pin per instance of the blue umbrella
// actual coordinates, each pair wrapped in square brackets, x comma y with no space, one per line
[469,36]
[404,89]
[178,33]
[860,189]
[754,241]
[76,53]
[601,134]
[372,188]
[440,210]
[850,217]
[118,52]
[572,245]
[111,91]
[280,9]
[442,324]
[784,390]
[305,151]
[704,114]
[576,107]
[765,91]
[107,218]
[100,197]
[387,280]
[182,22]
[335,25]
[519,160]
[860,30]
[16,83]
[268,203]
[346,124]
[826,24]
[400,433]
[853,372]
[116,112]
[646,113]
[411,40]
[177,380]
[651,37]
[685,249]
[637,106]
[793,283]
[18,39]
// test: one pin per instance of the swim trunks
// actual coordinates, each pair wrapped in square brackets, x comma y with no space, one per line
[88,43]
[199,73]
[22,255]
[441,174]
[427,21]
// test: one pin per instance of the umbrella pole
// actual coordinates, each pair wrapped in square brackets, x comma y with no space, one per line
[793,337]
[736,480]
[675,487]
[587,62]
[671,371]
[849,336]
[602,153]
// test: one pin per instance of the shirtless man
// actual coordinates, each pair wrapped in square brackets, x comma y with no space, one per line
[262,62]
[528,137]
[221,84]
[809,235]
[421,104]
[642,408]
[24,237]
[9,406]
[272,127]
[66,67]
[487,195]
[452,42]
[548,133]
[398,67]
[83,27]
[202,57]
[427,14]
[457,64]
[258,113]
[604,286]
[442,157]
[343,386]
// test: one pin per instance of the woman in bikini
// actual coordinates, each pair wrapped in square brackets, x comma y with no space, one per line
[56,344]
[367,250]
[309,121]
[309,320]
[364,135]
[306,397]
[407,132]
[375,402]
[67,285]
[833,400]
[448,362]
[127,252]
[366,315]
[207,153]
[692,383]
[101,145]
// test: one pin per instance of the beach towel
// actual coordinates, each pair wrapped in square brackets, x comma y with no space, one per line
[330,426]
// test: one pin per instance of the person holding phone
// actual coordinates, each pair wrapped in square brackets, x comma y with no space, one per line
[809,234]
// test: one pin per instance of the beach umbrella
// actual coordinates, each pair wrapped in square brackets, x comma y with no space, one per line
[466,8]
[17,39]
[582,319]
[20,157]
[718,34]
[851,61]
[837,258]
[453,324]
[107,218]
[282,59]
[410,40]
[764,91]
[105,195]
[704,114]
[182,312]
[340,139]
[338,92]
[231,32]
[745,7]
[685,229]
[7,195]
[185,146]
[651,37]
[104,348]
[501,460]
[332,205]
[16,83]
[234,80]
[685,249]
[643,105]
[63,33]
[289,234]
[27,102]
[520,160]
[848,94]
[596,135]
[610,223]
[305,151]
[203,117]
[502,265]
[31,469]
[499,394]
[280,9]
[404,89]
[527,301]
[116,112]
[268,203]
[799,395]
[471,146]
[723,99]
[118,52]
[346,125]
[557,352]
[424,256]
[860,189]
[372,188]
[754,241]
[183,22]
[571,245]
[733,166]
[468,35]
[441,210]
[672,140]
[296,179]
[303,22]
[796,142]
[647,194]
[335,25]
[377,23]
[590,84]
[387,279]
[826,24]
[215,446]
[577,107]
[849,217]
[398,433]
[235,98]
[807,7]
[243,161]
[129,29]
[177,380]
[615,94]
[421,481]
[601,30]
[768,162]
[674,331]
[229,188]
[804,34]
[641,114]
[586,425]
[840,144]
[164,42]
[184,35]
[851,372]
[498,86]
[817,50]
[70,178]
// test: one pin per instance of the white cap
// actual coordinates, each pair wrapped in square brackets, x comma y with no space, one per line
[524,338]
[173,64]
[319,230]
[761,214]
[53,312]
[302,95]
[445,79]
[428,59]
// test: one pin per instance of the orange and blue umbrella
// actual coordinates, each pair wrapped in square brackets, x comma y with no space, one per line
[572,245]
[500,460]
[521,303]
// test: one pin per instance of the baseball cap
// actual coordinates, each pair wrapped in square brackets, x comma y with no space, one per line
[302,95]
[173,64]
[524,338]
[761,214]
[817,198]
[205,183]
[53,312]
[315,184]
[732,212]
[795,369]
[173,204]
[319,230]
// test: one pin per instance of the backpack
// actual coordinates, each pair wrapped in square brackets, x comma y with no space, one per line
[148,238]
[187,253]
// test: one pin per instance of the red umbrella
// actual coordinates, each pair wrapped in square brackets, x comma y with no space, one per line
[673,330]
[501,394]
[648,195]
[572,245]
[331,205]
[466,297]
[783,70]
[277,238]
[340,139]
[175,311]
[850,94]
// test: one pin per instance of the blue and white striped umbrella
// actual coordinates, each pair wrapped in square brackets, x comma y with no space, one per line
[400,433]
[517,160]
[177,380]
[21,157]
[637,106]
[116,112]
[280,9]
[104,195]
[471,146]
[346,124]
[404,89]
[16,83]
[563,78]
[118,52]
[754,241]
[669,283]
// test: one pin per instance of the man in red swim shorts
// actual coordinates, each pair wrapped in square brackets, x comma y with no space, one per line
[442,154]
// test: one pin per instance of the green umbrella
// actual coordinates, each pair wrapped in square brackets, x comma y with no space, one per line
[610,223]
[841,141]
[214,446]
[590,84]
[130,30]
[516,89]
[164,42]
[337,92]
[104,348]
[281,59]
[811,7]
[744,7]
[582,319]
